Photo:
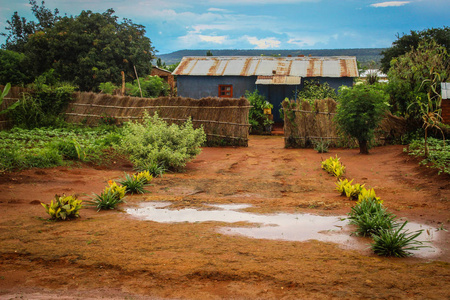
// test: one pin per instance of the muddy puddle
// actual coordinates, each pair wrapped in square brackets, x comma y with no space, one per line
[280,226]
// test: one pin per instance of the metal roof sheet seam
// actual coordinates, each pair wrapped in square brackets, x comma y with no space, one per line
[319,66]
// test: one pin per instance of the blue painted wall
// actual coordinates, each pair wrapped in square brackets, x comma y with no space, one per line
[208,86]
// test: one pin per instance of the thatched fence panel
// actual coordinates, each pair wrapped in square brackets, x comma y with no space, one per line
[225,121]
[14,95]
[306,124]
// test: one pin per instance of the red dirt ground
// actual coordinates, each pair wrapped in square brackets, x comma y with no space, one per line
[112,255]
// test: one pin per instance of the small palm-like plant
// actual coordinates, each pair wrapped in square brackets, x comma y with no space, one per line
[369,224]
[371,217]
[108,199]
[396,242]
[134,184]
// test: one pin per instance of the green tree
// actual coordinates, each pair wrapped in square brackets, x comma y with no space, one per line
[360,111]
[86,49]
[160,63]
[20,29]
[12,68]
[410,41]
[172,67]
[209,53]
[412,75]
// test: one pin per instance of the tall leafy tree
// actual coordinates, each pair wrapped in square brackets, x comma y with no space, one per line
[12,68]
[86,49]
[19,29]
[360,111]
[410,41]
[411,77]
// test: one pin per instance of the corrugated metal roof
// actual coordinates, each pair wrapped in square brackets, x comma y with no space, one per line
[445,88]
[329,66]
[278,79]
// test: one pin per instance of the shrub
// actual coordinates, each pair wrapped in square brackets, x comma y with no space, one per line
[396,242]
[43,106]
[108,199]
[155,169]
[438,153]
[151,87]
[257,119]
[321,146]
[369,194]
[135,184]
[333,166]
[154,141]
[359,112]
[107,87]
[64,207]
[371,217]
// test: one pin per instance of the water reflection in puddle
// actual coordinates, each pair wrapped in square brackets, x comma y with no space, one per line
[281,226]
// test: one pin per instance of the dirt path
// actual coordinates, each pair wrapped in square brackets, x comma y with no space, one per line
[110,254]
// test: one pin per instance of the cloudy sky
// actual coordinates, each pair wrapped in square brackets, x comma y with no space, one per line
[260,24]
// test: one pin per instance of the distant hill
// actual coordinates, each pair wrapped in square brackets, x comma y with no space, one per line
[364,56]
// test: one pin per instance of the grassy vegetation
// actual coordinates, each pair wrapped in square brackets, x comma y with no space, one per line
[48,147]
[438,155]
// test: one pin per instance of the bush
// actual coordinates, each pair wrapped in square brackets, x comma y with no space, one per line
[321,146]
[109,198]
[64,207]
[333,166]
[107,87]
[151,86]
[171,146]
[42,107]
[360,111]
[257,119]
[371,217]
[396,242]
[438,153]
[136,184]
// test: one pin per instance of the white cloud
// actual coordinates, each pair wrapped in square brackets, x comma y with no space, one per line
[265,43]
[214,9]
[390,3]
[213,38]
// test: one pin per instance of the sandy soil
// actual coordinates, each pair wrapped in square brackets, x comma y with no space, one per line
[110,254]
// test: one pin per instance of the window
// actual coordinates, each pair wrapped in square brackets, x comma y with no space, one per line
[226,91]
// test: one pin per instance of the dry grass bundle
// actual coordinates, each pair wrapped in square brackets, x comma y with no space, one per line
[225,121]
[306,123]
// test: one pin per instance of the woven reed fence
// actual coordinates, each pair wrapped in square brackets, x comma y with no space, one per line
[15,93]
[225,121]
[306,124]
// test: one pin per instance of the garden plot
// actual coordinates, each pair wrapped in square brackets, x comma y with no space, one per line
[112,255]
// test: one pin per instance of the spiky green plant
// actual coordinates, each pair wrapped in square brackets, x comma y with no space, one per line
[396,242]
[370,216]
[133,184]
[108,199]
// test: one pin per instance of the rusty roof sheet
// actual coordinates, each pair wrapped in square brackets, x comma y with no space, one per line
[323,66]
[278,79]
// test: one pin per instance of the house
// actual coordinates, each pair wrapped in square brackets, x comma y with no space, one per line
[165,75]
[445,104]
[275,77]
